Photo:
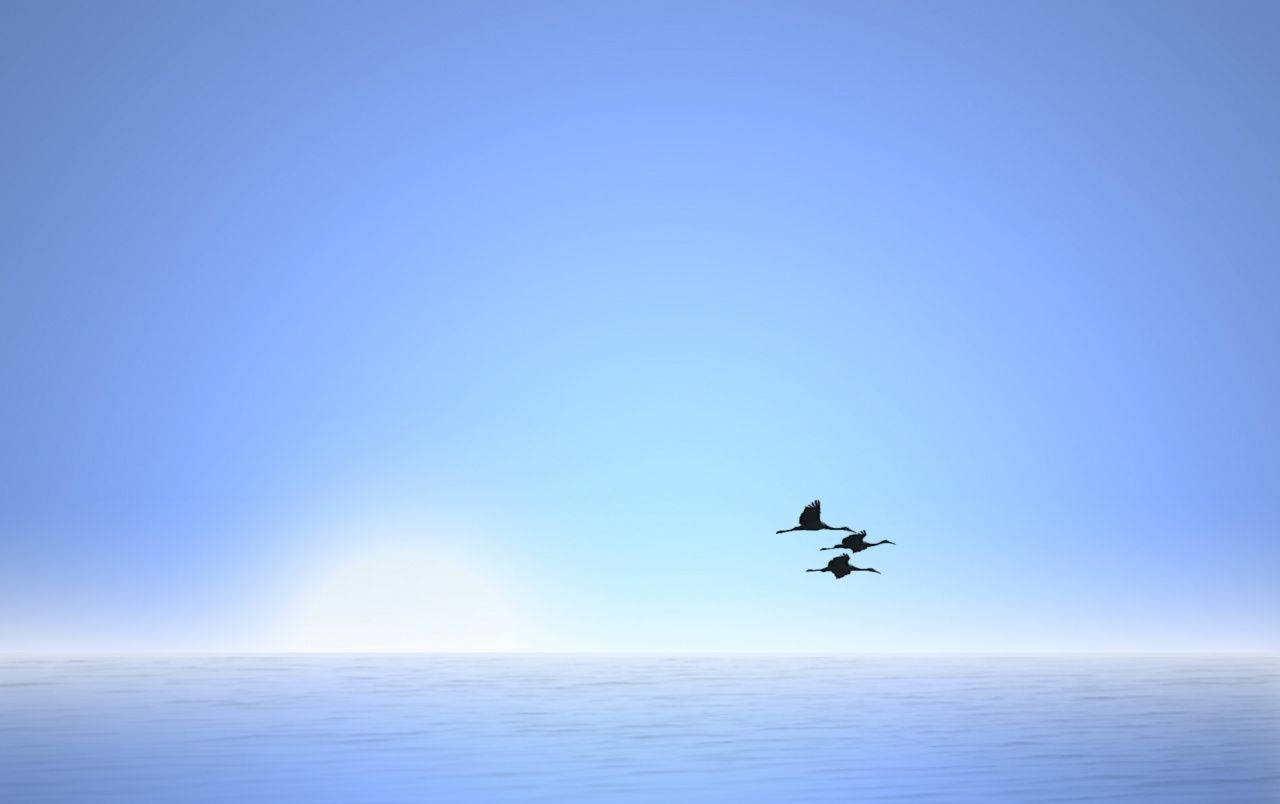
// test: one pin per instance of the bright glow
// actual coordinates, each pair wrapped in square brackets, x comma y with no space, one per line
[390,587]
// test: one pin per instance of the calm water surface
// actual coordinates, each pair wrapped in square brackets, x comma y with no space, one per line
[425,728]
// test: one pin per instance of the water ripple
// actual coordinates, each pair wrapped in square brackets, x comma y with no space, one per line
[640,728]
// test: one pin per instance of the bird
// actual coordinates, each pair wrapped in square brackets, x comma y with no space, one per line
[840,567]
[811,519]
[855,542]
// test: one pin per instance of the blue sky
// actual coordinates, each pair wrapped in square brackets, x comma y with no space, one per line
[525,325]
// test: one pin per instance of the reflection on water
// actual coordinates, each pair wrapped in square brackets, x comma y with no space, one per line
[639,728]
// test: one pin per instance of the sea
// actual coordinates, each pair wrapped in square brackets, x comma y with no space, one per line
[639,728]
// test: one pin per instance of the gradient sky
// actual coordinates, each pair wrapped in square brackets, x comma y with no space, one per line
[525,325]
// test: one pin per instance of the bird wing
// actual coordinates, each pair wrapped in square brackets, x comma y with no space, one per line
[841,560]
[812,514]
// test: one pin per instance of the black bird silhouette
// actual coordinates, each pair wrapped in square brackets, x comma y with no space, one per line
[855,542]
[840,567]
[811,519]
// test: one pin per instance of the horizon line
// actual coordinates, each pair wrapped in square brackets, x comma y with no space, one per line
[163,652]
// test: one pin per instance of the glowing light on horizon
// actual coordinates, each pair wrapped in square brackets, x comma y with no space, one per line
[394,588]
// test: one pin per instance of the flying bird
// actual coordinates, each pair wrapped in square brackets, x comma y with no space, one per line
[811,519]
[855,542]
[840,567]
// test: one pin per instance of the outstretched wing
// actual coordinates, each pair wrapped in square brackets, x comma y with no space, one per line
[811,515]
[839,562]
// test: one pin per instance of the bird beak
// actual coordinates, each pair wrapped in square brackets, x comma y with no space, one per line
[876,571]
